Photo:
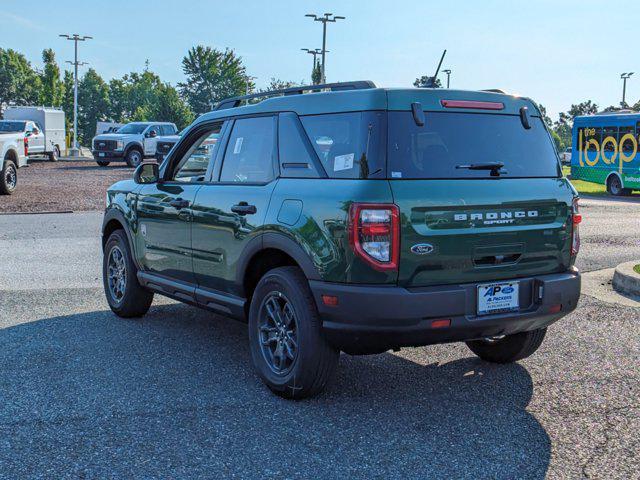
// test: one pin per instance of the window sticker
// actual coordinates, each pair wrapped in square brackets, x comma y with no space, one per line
[343,162]
[396,174]
[238,146]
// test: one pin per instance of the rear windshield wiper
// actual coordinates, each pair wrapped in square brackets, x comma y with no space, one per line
[495,167]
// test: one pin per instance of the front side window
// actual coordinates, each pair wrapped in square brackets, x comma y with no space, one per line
[349,145]
[449,142]
[250,152]
[193,166]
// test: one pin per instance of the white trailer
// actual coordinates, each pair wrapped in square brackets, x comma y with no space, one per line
[49,135]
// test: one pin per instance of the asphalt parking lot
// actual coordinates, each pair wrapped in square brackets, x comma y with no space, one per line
[87,395]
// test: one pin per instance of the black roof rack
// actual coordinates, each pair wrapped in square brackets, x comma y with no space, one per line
[236,101]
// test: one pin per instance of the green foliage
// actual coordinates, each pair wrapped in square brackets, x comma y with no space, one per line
[19,83]
[545,117]
[93,104]
[53,90]
[560,146]
[212,75]
[316,74]
[425,82]
[277,84]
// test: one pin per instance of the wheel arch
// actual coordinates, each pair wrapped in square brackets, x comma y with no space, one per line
[114,220]
[133,146]
[613,173]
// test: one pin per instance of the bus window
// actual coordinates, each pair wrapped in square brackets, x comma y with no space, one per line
[627,143]
[613,133]
[593,133]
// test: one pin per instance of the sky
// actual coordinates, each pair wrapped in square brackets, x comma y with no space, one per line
[556,52]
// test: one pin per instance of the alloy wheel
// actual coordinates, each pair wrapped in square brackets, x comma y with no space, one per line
[11,179]
[116,274]
[278,333]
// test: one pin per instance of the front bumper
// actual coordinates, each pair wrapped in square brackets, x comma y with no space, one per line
[379,318]
[108,155]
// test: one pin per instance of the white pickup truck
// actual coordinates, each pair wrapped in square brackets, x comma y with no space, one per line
[13,149]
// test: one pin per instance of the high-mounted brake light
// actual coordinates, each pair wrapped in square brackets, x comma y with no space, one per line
[575,232]
[472,104]
[374,234]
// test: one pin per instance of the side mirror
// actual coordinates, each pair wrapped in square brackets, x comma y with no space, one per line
[147,172]
[35,131]
[153,134]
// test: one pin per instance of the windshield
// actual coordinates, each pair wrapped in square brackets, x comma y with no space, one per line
[450,140]
[12,127]
[134,128]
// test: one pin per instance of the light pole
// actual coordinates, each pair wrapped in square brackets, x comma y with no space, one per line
[75,38]
[625,77]
[326,18]
[448,72]
[248,80]
[315,53]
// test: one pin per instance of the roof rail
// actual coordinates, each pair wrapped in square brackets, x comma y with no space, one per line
[236,101]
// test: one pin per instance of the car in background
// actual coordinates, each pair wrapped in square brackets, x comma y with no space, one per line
[44,128]
[131,143]
[13,154]
[165,144]
[565,156]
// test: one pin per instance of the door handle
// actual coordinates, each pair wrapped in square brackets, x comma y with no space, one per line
[243,208]
[179,203]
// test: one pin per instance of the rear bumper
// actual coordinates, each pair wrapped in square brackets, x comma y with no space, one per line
[378,318]
[108,156]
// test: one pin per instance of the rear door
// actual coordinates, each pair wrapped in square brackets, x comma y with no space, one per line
[231,210]
[461,225]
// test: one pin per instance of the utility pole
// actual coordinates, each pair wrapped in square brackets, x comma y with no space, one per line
[624,77]
[326,18]
[75,151]
[315,53]
[448,72]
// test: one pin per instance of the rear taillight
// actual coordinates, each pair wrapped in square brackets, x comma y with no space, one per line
[575,232]
[26,146]
[374,234]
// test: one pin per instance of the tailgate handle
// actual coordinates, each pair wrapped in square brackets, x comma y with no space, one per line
[495,260]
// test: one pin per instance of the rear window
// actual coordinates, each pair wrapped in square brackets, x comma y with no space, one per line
[349,145]
[6,126]
[450,139]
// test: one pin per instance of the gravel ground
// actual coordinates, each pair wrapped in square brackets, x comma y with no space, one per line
[68,184]
[87,395]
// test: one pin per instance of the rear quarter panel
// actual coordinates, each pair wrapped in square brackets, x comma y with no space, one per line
[320,227]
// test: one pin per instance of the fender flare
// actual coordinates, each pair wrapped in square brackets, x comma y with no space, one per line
[132,145]
[117,215]
[606,181]
[278,241]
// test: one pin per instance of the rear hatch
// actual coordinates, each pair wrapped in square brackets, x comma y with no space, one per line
[507,219]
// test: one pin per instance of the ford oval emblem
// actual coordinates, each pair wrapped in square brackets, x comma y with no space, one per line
[422,248]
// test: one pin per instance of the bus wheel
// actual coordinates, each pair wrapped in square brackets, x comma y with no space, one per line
[614,187]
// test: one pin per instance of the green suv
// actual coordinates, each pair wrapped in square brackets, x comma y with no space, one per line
[345,217]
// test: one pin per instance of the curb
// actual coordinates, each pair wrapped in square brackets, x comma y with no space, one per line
[626,280]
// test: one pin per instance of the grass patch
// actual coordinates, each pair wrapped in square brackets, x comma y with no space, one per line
[636,269]
[581,186]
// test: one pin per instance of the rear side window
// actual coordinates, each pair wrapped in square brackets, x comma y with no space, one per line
[167,130]
[250,151]
[296,153]
[349,145]
[448,140]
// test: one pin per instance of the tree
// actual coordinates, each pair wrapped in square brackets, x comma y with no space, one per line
[545,117]
[52,91]
[169,107]
[67,99]
[316,74]
[277,84]
[584,108]
[93,104]
[19,83]
[212,75]
[425,82]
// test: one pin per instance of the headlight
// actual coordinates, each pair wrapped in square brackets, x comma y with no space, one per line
[119,144]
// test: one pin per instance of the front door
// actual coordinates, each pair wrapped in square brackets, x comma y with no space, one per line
[165,211]
[151,140]
[230,211]
[36,138]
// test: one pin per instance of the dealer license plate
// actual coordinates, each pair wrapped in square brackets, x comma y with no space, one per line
[498,297]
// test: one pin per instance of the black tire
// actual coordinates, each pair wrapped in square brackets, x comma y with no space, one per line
[614,187]
[103,163]
[509,349]
[54,155]
[134,157]
[314,361]
[8,178]
[130,299]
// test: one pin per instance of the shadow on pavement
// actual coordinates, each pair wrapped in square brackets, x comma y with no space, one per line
[173,396]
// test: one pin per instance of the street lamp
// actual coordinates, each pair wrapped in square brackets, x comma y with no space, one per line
[315,53]
[448,72]
[625,77]
[75,38]
[326,18]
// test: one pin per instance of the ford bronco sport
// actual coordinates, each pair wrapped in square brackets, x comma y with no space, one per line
[351,218]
